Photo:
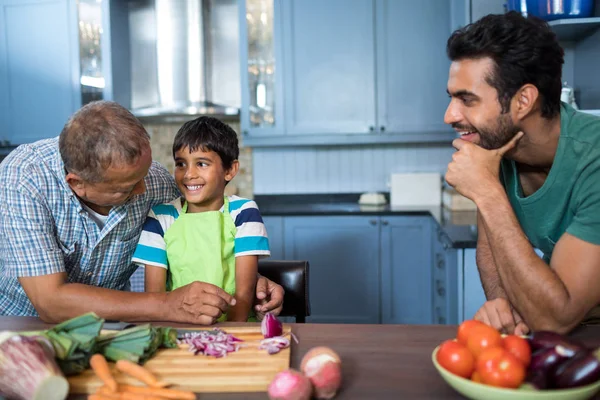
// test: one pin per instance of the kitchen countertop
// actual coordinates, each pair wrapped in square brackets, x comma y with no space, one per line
[459,226]
[378,361]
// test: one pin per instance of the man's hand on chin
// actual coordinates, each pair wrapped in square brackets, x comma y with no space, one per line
[474,171]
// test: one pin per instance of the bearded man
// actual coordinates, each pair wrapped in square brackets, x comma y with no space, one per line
[532,166]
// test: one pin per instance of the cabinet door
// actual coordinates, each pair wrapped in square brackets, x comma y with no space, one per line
[473,295]
[344,265]
[39,70]
[274,227]
[445,279]
[406,270]
[261,55]
[329,66]
[412,66]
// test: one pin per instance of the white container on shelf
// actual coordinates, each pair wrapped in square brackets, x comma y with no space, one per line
[416,189]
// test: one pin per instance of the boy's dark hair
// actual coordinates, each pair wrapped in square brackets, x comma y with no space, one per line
[208,133]
[524,50]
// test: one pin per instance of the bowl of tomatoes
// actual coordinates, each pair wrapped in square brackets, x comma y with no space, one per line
[480,363]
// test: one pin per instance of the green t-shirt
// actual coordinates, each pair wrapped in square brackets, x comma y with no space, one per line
[569,199]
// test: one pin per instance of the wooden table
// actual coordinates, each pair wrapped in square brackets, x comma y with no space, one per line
[378,361]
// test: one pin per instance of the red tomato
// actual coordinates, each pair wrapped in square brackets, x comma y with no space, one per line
[456,358]
[476,377]
[465,329]
[518,347]
[486,356]
[483,337]
[503,370]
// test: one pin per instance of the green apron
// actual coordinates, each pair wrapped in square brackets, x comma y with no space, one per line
[200,247]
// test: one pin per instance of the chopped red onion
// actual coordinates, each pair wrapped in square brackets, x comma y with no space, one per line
[214,343]
[274,345]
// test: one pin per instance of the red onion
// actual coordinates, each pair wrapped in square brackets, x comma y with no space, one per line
[214,343]
[271,326]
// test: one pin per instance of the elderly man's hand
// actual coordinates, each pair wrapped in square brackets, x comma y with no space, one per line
[269,297]
[499,314]
[474,169]
[197,303]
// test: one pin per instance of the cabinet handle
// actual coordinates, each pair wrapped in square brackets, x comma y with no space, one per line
[371,128]
[382,128]
[441,291]
[441,262]
[440,317]
[385,223]
[373,222]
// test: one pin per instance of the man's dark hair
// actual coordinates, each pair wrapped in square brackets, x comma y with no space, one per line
[524,50]
[208,133]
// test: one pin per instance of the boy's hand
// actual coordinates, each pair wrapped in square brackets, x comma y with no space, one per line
[269,297]
[197,303]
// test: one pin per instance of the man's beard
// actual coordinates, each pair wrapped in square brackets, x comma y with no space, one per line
[498,136]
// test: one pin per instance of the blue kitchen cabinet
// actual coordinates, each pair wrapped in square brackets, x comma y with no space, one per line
[345,71]
[412,67]
[39,68]
[329,66]
[343,252]
[472,294]
[445,283]
[274,226]
[406,269]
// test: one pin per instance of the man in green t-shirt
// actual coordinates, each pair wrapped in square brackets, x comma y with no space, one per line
[532,166]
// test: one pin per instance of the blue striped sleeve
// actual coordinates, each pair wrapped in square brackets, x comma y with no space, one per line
[152,225]
[252,245]
[150,255]
[248,215]
[165,209]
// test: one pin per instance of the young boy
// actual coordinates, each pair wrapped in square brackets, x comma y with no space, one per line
[205,235]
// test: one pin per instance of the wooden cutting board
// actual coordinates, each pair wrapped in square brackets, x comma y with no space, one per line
[247,370]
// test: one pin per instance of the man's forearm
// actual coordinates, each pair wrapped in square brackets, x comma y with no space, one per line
[530,284]
[73,299]
[488,271]
[489,276]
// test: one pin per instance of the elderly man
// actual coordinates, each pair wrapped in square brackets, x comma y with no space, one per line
[532,166]
[71,212]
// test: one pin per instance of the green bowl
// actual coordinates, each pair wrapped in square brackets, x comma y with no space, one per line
[479,391]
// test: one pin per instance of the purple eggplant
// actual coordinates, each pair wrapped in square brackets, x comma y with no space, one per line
[547,339]
[546,361]
[537,380]
[580,370]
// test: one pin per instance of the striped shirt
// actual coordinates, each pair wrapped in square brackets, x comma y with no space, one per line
[45,230]
[250,238]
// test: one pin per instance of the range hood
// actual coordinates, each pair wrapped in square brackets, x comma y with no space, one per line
[184,59]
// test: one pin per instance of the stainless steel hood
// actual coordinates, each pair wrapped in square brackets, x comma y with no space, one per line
[184,58]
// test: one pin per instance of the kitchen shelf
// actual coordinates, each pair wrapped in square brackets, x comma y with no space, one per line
[574,29]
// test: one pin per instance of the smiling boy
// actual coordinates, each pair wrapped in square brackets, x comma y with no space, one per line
[204,235]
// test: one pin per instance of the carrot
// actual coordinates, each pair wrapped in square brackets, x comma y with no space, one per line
[102,371]
[102,397]
[160,392]
[140,373]
[137,396]
[101,394]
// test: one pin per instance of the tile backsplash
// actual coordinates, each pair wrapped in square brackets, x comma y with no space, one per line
[161,141]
